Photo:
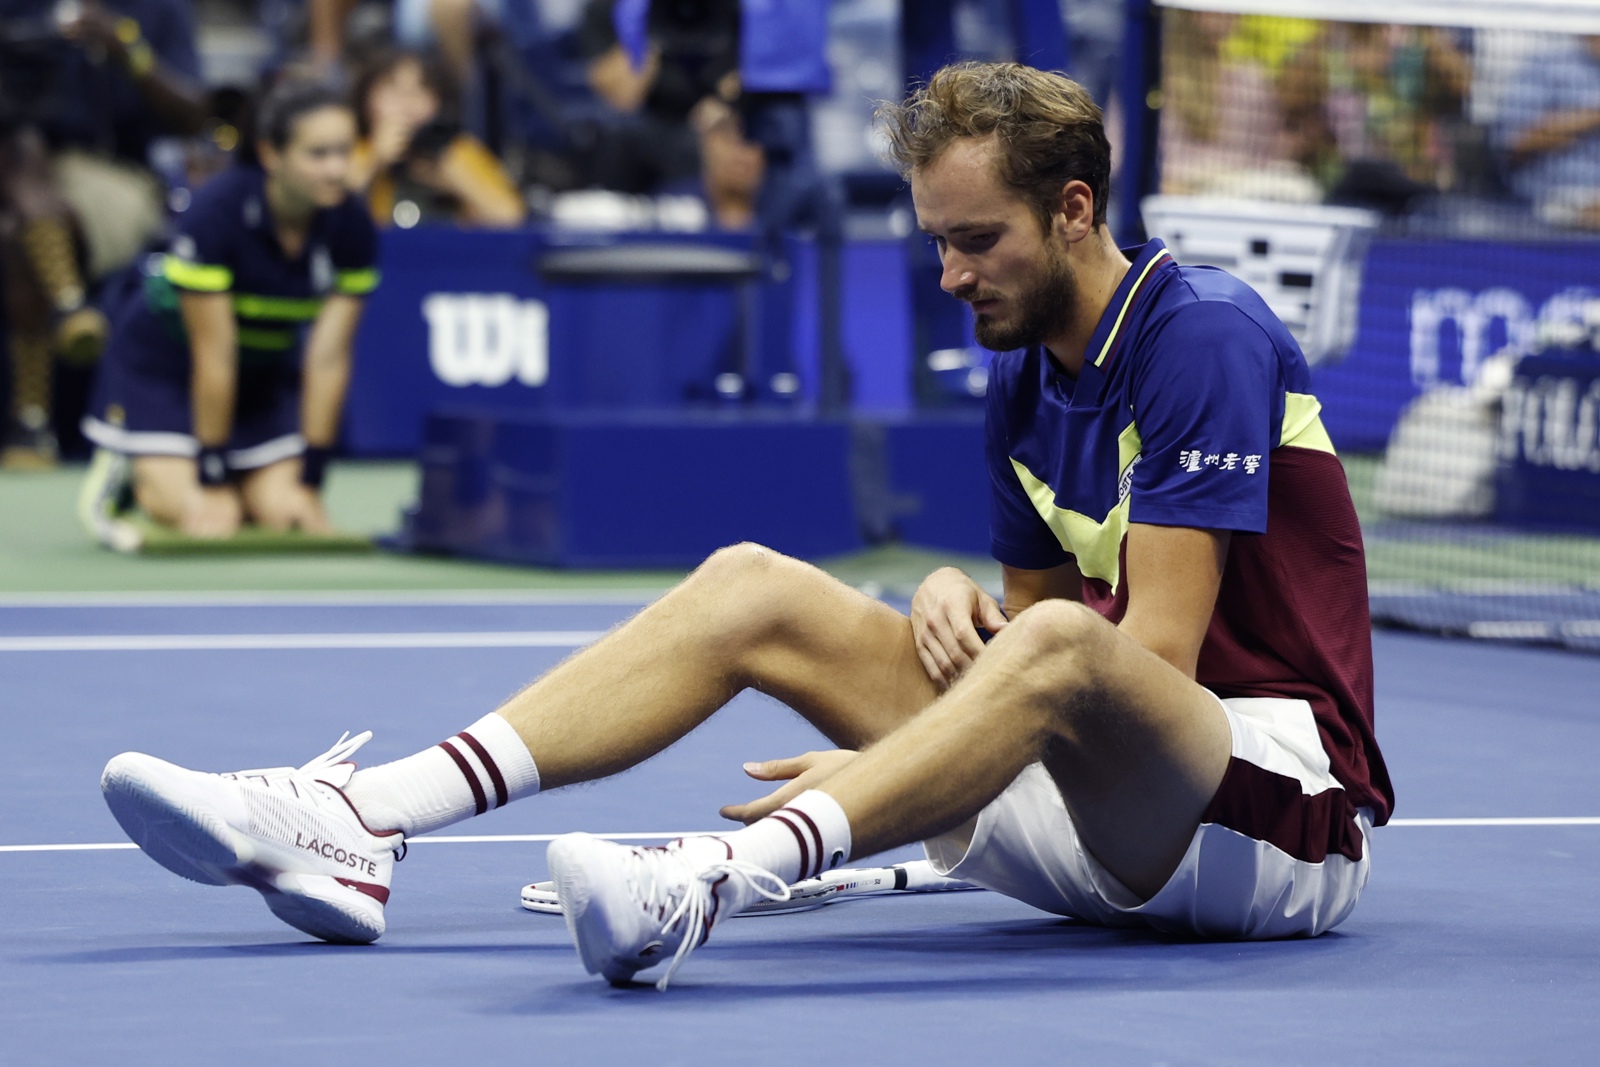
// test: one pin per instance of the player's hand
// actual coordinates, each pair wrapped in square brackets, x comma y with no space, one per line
[213,513]
[946,612]
[799,773]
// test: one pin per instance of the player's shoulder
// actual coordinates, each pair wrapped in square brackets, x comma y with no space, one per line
[1209,307]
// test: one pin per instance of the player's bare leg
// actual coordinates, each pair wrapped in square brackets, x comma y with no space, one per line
[168,489]
[1136,747]
[747,618]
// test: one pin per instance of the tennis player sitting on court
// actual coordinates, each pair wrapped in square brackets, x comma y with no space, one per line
[1172,725]
[224,380]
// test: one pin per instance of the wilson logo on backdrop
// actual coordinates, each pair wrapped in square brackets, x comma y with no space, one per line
[487,339]
[1477,325]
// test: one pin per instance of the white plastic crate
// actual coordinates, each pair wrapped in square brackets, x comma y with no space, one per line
[1304,259]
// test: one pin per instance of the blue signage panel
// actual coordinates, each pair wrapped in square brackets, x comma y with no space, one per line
[459,318]
[1549,474]
[465,319]
[1432,311]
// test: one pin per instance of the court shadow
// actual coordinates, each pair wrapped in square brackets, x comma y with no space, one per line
[288,950]
[1058,956]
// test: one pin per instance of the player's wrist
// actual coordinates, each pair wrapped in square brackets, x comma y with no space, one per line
[212,466]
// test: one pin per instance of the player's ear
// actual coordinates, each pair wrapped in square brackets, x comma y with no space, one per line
[268,154]
[1074,217]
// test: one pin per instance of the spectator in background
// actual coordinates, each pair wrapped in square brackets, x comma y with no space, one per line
[414,163]
[451,26]
[731,166]
[691,52]
[1550,132]
[1222,128]
[1376,110]
[84,90]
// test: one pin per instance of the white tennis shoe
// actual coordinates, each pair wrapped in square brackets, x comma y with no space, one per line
[287,832]
[630,908]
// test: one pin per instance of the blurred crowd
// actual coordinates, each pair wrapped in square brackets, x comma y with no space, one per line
[1466,131]
[468,112]
[620,113]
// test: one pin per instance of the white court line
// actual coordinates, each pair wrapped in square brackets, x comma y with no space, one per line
[245,642]
[1487,587]
[1512,821]
[462,839]
[663,835]
[336,598]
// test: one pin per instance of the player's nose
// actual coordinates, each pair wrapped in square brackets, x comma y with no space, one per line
[956,275]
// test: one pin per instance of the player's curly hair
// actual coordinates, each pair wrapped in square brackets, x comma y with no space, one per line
[1048,128]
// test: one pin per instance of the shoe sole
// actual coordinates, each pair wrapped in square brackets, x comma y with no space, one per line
[195,843]
[592,938]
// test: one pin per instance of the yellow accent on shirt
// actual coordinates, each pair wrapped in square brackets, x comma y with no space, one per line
[1302,424]
[1133,290]
[278,308]
[356,282]
[196,276]
[1097,546]
[267,340]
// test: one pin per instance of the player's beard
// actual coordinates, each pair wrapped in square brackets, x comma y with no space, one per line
[1042,309]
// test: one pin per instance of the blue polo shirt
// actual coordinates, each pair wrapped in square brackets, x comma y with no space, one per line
[1193,408]
[1173,419]
[226,244]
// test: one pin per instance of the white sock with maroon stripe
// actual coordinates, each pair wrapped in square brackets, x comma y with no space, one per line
[805,837]
[483,767]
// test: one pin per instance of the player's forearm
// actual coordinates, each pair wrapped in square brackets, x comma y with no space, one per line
[1025,588]
[1180,650]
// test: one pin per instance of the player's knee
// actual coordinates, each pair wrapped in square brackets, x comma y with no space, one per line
[736,560]
[1058,641]
[752,589]
[742,569]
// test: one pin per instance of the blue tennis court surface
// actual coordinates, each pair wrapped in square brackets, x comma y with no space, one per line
[1477,941]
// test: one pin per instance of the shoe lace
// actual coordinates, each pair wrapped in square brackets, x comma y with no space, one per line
[696,909]
[310,771]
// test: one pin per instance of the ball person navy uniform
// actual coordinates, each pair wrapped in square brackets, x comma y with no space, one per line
[226,243]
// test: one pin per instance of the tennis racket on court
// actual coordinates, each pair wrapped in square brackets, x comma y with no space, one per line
[915,876]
